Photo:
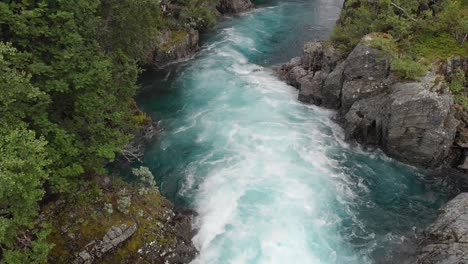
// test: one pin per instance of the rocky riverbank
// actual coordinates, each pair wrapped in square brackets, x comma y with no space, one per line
[414,121]
[111,221]
[182,41]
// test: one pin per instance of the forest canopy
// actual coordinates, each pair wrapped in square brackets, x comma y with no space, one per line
[68,74]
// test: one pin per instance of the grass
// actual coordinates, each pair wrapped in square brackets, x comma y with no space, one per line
[440,46]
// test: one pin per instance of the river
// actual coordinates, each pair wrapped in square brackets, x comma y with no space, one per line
[272,179]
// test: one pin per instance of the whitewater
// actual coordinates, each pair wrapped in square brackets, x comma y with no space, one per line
[272,179]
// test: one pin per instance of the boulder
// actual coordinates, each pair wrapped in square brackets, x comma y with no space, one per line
[446,240]
[234,6]
[364,75]
[421,126]
[319,56]
[409,121]
[310,72]
[310,87]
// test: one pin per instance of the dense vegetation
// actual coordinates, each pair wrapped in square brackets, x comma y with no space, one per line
[68,72]
[417,31]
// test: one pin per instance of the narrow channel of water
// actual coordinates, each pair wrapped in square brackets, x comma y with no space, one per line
[271,178]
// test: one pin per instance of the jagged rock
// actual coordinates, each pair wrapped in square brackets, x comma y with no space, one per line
[331,91]
[320,56]
[175,46]
[365,71]
[113,238]
[410,122]
[234,6]
[446,240]
[310,87]
[181,249]
[310,74]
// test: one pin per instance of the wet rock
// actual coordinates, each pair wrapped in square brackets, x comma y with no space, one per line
[311,86]
[413,122]
[234,6]
[310,72]
[446,240]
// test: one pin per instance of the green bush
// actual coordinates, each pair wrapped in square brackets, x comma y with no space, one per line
[408,69]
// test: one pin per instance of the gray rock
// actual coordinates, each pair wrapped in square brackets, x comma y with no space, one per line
[310,74]
[464,166]
[171,49]
[365,73]
[234,6]
[366,63]
[319,56]
[331,90]
[355,90]
[310,87]
[294,76]
[113,238]
[422,126]
[446,240]
[410,122]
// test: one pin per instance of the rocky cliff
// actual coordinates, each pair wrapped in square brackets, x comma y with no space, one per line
[446,240]
[234,6]
[181,40]
[413,121]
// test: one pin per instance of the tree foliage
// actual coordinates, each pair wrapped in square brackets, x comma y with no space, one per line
[68,72]
[405,20]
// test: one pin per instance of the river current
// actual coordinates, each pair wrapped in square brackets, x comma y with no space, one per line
[271,178]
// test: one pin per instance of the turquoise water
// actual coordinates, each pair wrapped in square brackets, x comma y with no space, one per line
[272,179]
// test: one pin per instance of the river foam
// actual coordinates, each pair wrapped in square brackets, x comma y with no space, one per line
[272,179]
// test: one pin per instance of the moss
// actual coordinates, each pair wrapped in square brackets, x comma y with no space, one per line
[176,37]
[408,69]
[440,46]
[81,218]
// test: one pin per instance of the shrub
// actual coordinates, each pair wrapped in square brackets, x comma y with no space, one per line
[124,201]
[145,179]
[408,69]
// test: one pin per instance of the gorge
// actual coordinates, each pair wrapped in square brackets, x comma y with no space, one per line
[273,180]
[234,131]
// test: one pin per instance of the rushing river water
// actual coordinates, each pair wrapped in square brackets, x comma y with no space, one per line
[271,178]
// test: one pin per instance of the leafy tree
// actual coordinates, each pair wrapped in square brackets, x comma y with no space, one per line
[23,166]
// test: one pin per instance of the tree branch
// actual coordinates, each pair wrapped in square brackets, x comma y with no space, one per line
[404,11]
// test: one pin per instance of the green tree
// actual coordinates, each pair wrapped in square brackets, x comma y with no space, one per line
[23,166]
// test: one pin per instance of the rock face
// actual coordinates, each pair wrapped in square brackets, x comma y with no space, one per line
[412,121]
[234,6]
[175,46]
[446,240]
[179,251]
